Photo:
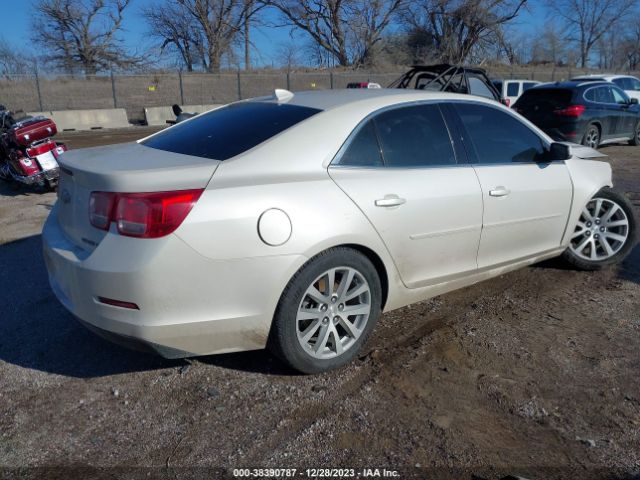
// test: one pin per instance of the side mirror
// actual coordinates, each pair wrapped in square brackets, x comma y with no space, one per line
[558,152]
[633,101]
[176,109]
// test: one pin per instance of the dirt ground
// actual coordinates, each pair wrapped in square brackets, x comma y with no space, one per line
[531,374]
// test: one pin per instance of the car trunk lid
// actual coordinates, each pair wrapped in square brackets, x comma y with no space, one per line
[126,168]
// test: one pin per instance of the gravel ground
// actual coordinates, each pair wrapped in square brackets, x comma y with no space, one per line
[534,373]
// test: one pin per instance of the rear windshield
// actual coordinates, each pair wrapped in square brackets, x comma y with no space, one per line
[231,130]
[545,97]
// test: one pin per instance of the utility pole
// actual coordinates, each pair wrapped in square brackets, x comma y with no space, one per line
[247,43]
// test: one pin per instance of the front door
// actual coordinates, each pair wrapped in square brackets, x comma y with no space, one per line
[526,203]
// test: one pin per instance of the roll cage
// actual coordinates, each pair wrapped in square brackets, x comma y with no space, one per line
[447,78]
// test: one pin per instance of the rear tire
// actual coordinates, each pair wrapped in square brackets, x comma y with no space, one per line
[635,141]
[591,136]
[605,233]
[327,311]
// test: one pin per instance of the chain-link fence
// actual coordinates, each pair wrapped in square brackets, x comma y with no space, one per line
[135,92]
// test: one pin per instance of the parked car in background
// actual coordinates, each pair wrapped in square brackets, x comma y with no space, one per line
[630,85]
[511,89]
[591,113]
[216,235]
[363,85]
[449,78]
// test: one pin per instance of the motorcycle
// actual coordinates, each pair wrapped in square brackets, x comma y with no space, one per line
[28,154]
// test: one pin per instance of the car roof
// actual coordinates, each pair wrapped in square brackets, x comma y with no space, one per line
[516,80]
[332,99]
[569,84]
[604,77]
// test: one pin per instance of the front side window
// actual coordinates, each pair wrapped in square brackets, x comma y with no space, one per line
[635,84]
[498,137]
[619,96]
[231,130]
[414,136]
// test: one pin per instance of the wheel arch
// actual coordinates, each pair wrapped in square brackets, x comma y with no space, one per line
[378,264]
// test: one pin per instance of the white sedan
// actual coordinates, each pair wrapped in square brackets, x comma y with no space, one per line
[292,221]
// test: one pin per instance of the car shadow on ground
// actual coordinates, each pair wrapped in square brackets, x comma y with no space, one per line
[37,332]
[628,270]
[13,189]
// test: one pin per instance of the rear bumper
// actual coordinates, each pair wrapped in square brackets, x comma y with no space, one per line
[189,305]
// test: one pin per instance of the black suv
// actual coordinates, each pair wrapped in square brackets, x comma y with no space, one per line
[591,113]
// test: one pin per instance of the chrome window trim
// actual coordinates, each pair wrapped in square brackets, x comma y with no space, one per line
[611,85]
[335,161]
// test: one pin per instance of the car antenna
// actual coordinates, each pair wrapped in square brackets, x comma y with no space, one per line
[282,95]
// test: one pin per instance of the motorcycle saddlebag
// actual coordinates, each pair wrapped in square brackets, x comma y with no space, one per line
[33,130]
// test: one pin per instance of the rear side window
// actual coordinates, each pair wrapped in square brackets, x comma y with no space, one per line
[414,136]
[231,130]
[363,151]
[498,137]
[512,89]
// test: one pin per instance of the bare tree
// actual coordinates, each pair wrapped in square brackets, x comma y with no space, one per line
[177,31]
[457,27]
[348,30]
[13,60]
[548,46]
[590,19]
[202,31]
[82,34]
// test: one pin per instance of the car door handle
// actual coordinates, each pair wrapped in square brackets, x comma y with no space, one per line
[499,192]
[390,201]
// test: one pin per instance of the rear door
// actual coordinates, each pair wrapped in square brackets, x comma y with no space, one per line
[401,168]
[526,203]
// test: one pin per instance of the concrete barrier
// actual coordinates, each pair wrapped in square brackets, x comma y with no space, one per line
[160,115]
[87,119]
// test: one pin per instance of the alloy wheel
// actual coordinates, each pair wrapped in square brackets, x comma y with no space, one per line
[603,229]
[333,312]
[592,138]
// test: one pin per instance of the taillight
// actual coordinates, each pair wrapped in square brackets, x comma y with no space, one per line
[144,215]
[570,111]
[40,149]
[506,101]
[100,209]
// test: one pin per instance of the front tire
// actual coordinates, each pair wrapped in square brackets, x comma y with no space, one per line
[605,233]
[635,141]
[591,136]
[327,311]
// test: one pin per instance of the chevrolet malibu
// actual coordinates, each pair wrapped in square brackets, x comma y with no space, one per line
[292,221]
